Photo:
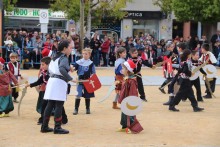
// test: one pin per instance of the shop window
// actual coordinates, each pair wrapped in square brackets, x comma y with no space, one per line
[58,24]
[146,27]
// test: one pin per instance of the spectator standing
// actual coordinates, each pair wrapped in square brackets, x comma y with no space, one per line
[95,44]
[105,49]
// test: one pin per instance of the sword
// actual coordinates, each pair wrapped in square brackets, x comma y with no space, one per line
[166,84]
[209,86]
[142,78]
[18,86]
[108,93]
[81,81]
[24,91]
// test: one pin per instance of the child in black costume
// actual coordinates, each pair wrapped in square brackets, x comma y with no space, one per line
[185,85]
[139,58]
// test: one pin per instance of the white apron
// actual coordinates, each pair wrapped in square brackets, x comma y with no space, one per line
[56,88]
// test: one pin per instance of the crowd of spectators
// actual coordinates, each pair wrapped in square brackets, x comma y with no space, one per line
[29,46]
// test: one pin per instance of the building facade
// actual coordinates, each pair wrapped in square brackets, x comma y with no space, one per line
[143,17]
[26,17]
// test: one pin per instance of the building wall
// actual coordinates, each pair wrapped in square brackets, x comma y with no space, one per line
[159,26]
[126,29]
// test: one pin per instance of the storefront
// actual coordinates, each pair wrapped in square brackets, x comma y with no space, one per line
[28,19]
[143,22]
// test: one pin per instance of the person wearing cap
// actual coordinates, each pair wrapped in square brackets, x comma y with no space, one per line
[129,88]
[6,104]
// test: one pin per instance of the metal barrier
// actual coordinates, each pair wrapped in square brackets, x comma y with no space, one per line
[33,57]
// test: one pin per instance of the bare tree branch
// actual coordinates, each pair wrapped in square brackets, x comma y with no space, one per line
[92,6]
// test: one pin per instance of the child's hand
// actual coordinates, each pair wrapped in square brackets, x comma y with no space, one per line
[153,67]
[74,81]
[27,85]
[22,78]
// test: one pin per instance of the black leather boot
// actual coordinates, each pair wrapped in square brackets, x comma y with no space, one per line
[64,117]
[58,129]
[88,111]
[172,108]
[77,102]
[44,127]
[75,112]
[87,100]
[169,101]
[197,109]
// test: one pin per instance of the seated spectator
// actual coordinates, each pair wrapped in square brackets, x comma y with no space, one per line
[48,44]
[25,61]
[27,42]
[35,54]
[54,48]
[10,47]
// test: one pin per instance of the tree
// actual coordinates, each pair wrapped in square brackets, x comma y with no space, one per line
[196,10]
[95,10]
[8,5]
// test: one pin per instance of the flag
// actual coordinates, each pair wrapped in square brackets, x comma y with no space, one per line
[169,66]
[93,84]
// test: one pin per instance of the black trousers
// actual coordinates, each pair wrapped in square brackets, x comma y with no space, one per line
[14,94]
[212,86]
[165,82]
[196,84]
[44,105]
[140,87]
[58,105]
[104,56]
[77,103]
[171,85]
[185,91]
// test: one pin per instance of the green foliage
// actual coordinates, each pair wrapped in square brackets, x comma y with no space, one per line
[196,10]
[99,8]
[165,5]
[8,5]
[70,7]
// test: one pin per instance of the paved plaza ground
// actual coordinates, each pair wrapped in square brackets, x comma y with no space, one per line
[162,128]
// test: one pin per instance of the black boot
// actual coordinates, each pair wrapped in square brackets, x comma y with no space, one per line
[169,101]
[208,96]
[75,112]
[58,129]
[44,126]
[162,90]
[40,121]
[172,108]
[77,102]
[87,100]
[197,109]
[64,117]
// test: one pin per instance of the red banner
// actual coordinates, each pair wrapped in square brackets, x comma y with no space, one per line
[93,84]
[169,66]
